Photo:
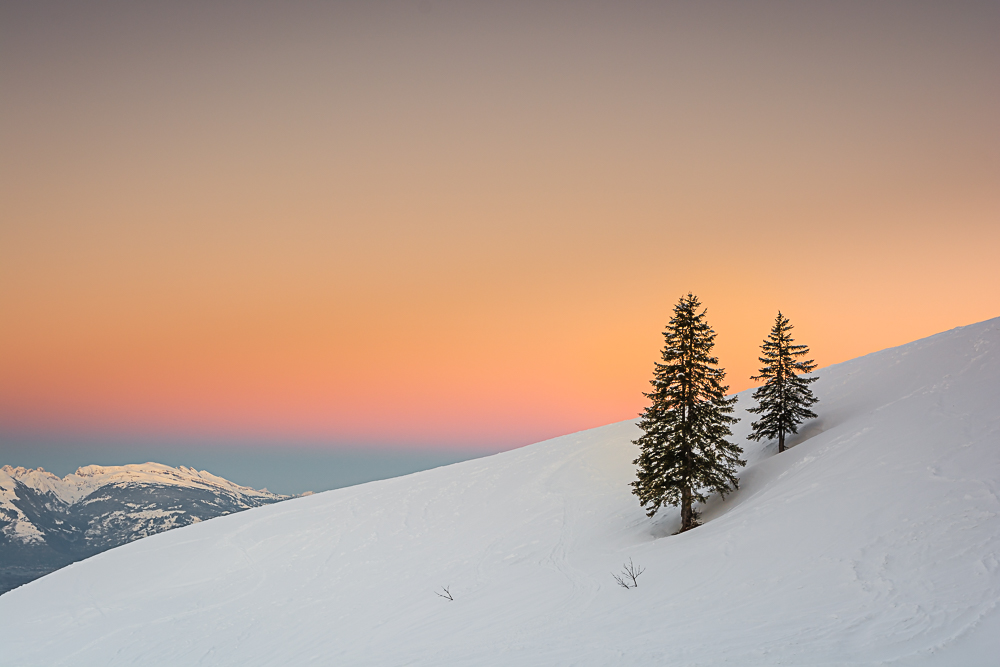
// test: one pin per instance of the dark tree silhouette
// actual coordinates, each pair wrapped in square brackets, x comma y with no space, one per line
[785,397]
[684,452]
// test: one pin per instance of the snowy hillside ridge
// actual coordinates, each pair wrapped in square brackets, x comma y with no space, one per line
[874,540]
[47,522]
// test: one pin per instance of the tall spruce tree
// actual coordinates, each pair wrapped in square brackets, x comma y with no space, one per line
[684,452]
[785,397]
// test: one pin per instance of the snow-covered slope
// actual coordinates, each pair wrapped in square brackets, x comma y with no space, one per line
[47,521]
[874,540]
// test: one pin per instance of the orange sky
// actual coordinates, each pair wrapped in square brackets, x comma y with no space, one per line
[466,224]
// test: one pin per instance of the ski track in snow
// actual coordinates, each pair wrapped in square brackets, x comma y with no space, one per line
[873,541]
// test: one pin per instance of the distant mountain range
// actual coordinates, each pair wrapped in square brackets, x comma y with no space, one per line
[47,522]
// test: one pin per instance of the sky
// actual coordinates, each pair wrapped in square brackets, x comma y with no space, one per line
[434,230]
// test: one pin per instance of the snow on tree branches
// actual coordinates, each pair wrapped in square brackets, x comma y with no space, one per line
[785,397]
[684,452]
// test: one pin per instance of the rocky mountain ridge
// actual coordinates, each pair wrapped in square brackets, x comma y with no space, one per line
[47,522]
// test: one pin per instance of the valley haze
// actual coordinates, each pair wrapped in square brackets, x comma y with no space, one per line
[874,540]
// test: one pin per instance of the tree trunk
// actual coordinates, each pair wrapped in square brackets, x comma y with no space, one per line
[687,522]
[781,441]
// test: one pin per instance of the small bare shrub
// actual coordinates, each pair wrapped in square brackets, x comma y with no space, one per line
[630,573]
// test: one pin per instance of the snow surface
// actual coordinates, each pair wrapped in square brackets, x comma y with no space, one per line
[875,540]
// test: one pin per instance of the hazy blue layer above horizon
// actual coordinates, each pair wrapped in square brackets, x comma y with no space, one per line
[288,469]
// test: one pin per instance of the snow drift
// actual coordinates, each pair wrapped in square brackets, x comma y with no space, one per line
[874,540]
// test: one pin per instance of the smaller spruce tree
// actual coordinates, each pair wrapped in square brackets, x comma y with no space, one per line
[785,397]
[684,451]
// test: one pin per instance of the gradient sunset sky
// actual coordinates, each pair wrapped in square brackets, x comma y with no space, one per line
[462,226]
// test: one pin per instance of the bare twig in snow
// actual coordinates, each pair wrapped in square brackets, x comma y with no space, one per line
[447,593]
[630,573]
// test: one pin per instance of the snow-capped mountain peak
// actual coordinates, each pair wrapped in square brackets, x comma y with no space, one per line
[47,521]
